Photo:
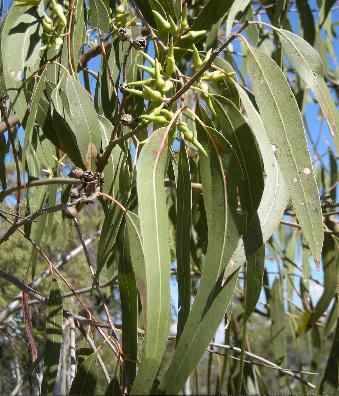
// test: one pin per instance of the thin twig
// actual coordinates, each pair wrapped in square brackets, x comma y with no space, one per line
[40,182]
[266,362]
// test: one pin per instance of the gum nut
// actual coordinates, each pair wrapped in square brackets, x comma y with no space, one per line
[74,193]
[71,212]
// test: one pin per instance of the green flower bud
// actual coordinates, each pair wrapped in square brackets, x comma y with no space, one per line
[149,70]
[168,114]
[159,81]
[48,27]
[184,23]
[161,21]
[148,82]
[194,35]
[167,86]
[170,66]
[152,94]
[160,119]
[120,9]
[189,136]
[197,62]
[174,28]
[58,43]
[135,92]
[58,10]
[148,58]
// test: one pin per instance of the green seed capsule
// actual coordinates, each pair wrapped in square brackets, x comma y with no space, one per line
[135,92]
[197,62]
[148,58]
[161,21]
[184,23]
[168,114]
[170,66]
[149,70]
[194,35]
[47,26]
[174,28]
[159,81]
[149,82]
[152,94]
[160,119]
[58,10]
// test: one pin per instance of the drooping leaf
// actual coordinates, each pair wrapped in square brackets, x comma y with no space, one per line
[20,43]
[213,10]
[236,130]
[219,172]
[237,6]
[274,199]
[85,121]
[98,16]
[85,380]
[329,383]
[331,273]
[115,161]
[307,63]
[34,105]
[254,274]
[278,327]
[283,124]
[53,339]
[129,308]
[137,257]
[154,231]
[183,236]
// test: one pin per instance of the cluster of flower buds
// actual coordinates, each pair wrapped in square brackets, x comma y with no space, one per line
[52,34]
[155,88]
[214,76]
[168,25]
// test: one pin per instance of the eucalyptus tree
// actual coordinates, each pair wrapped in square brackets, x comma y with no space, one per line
[187,125]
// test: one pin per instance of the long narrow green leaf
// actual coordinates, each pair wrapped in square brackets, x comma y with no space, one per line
[220,172]
[85,121]
[53,340]
[36,96]
[115,161]
[307,63]
[137,257]
[20,44]
[331,276]
[129,308]
[183,237]
[283,124]
[277,315]
[98,15]
[237,131]
[155,237]
[254,275]
[274,199]
[237,6]
[329,383]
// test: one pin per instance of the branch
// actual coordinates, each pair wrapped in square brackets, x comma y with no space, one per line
[37,183]
[12,120]
[22,286]
[40,212]
[92,53]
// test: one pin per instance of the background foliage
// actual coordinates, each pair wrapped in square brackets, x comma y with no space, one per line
[169,197]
